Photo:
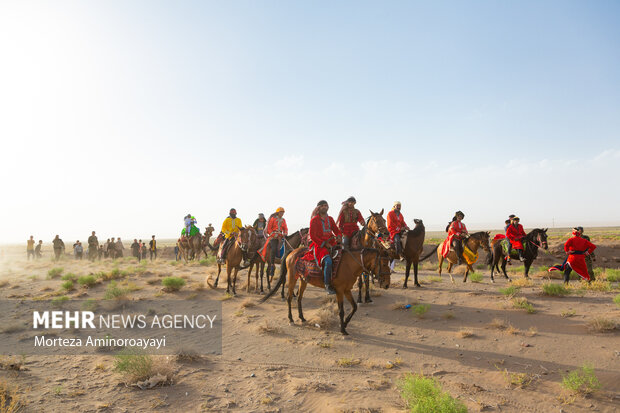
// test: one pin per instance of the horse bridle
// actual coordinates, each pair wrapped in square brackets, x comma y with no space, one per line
[540,241]
[377,262]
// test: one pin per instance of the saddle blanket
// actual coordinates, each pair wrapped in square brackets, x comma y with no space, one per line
[308,269]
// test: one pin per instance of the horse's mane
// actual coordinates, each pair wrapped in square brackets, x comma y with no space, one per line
[477,234]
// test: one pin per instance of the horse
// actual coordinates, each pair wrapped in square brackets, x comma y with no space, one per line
[535,239]
[257,261]
[414,244]
[473,242]
[374,235]
[234,256]
[349,270]
[206,240]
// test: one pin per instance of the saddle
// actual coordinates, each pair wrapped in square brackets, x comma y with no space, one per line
[308,269]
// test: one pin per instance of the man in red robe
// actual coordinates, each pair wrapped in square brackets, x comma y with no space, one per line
[276,231]
[456,230]
[395,225]
[516,235]
[348,220]
[324,234]
[577,249]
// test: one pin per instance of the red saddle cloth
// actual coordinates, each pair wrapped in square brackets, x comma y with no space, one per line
[308,269]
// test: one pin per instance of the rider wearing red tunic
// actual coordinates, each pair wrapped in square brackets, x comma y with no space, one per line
[516,235]
[456,232]
[348,220]
[324,234]
[577,248]
[395,225]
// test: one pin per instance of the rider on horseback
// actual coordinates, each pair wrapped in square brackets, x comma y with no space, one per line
[456,232]
[276,231]
[396,225]
[324,234]
[230,226]
[189,221]
[516,234]
[348,219]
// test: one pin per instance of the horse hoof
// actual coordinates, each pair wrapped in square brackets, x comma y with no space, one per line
[344,333]
[418,285]
[405,287]
[303,320]
[368,301]
[492,280]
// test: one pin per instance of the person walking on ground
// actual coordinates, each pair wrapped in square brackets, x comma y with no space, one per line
[112,248]
[37,250]
[78,250]
[135,249]
[176,252]
[59,247]
[153,247]
[119,248]
[30,248]
[93,247]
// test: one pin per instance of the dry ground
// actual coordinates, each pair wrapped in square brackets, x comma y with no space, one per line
[470,339]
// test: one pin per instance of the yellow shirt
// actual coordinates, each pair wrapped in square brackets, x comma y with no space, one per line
[30,244]
[228,228]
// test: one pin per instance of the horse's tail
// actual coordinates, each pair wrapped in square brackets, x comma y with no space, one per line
[283,271]
[429,254]
[489,260]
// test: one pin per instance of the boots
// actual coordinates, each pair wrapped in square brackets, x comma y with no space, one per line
[458,248]
[521,255]
[327,276]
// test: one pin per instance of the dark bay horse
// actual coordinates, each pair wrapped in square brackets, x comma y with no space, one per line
[414,244]
[351,266]
[374,235]
[473,242]
[535,239]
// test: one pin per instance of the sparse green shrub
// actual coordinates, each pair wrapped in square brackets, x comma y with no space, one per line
[67,285]
[582,381]
[612,274]
[54,272]
[423,394]
[510,291]
[133,366]
[58,301]
[68,277]
[87,280]
[617,300]
[522,303]
[475,277]
[420,309]
[113,292]
[555,290]
[172,283]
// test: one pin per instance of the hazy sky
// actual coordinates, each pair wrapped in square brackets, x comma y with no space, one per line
[124,116]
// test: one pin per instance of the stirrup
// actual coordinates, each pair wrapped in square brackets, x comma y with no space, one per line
[330,290]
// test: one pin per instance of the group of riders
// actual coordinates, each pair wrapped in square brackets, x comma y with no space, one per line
[324,234]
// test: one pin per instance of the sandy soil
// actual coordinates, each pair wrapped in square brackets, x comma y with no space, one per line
[470,339]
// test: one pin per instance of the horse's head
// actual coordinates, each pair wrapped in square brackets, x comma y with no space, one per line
[483,238]
[538,236]
[246,237]
[377,228]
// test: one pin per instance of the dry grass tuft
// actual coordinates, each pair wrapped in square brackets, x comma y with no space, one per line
[522,282]
[512,330]
[602,325]
[10,400]
[347,362]
[399,305]
[532,331]
[247,303]
[448,315]
[464,333]
[326,315]
[498,324]
[268,327]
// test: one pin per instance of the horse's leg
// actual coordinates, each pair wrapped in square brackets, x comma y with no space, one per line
[247,288]
[262,271]
[236,269]
[340,298]
[504,263]
[300,293]
[256,278]
[217,279]
[469,268]
[359,286]
[450,270]
[440,260]
[353,304]
[493,264]
[415,274]
[367,298]
[407,270]
[228,271]
[526,265]
[289,298]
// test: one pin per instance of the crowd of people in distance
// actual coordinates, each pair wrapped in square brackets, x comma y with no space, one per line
[95,251]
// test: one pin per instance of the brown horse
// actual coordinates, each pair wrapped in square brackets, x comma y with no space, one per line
[535,239]
[473,242]
[414,244]
[234,257]
[374,235]
[351,266]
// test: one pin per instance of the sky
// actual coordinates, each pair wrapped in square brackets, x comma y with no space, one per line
[124,116]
